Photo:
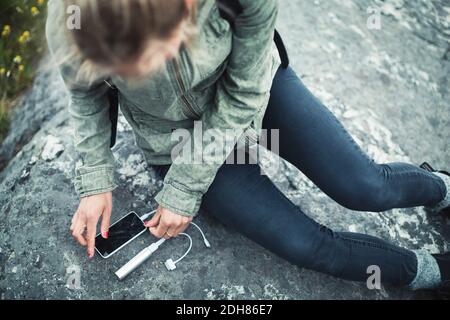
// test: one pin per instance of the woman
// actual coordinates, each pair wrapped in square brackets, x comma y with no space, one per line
[177,61]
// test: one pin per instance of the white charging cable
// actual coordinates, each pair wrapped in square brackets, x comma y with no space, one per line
[145,216]
[205,241]
[170,263]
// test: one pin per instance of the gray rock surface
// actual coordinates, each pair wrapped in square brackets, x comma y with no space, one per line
[389,87]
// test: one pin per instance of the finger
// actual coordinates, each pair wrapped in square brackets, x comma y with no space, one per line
[181,229]
[157,232]
[106,217]
[154,220]
[160,229]
[91,230]
[170,233]
[74,220]
[78,230]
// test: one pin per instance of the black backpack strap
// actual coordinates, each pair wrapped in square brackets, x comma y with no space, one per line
[230,9]
[113,100]
[282,51]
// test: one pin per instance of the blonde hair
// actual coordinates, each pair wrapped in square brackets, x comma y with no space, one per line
[114,31]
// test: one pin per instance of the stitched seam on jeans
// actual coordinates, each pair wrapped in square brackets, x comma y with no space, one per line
[410,172]
[373,244]
[295,207]
[344,130]
[415,174]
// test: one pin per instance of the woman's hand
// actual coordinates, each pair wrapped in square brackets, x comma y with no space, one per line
[166,223]
[87,215]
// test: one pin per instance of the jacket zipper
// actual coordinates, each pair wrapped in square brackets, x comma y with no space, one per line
[187,106]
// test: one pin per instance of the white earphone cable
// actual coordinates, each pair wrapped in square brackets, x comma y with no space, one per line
[188,250]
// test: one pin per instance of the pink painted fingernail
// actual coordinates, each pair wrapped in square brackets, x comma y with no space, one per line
[105,234]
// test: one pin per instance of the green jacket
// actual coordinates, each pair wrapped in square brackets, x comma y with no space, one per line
[227,88]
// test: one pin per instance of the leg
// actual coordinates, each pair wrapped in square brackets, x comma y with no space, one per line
[313,140]
[249,202]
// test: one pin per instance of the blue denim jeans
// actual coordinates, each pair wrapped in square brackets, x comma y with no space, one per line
[312,139]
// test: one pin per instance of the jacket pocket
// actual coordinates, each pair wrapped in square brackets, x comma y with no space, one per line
[156,135]
[148,125]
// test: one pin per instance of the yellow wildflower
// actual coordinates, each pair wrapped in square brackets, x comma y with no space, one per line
[2,71]
[34,11]
[17,59]
[21,68]
[40,2]
[6,30]
[24,37]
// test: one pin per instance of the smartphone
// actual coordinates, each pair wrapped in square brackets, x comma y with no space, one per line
[121,233]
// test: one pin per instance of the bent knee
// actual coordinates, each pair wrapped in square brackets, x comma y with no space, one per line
[324,254]
[364,192]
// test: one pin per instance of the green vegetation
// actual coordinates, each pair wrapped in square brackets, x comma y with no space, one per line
[22,43]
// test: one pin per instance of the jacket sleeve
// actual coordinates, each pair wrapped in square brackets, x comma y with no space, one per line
[242,91]
[88,112]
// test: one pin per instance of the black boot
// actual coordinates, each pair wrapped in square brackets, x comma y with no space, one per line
[443,261]
[444,205]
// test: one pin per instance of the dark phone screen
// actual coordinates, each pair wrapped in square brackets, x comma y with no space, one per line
[119,234]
